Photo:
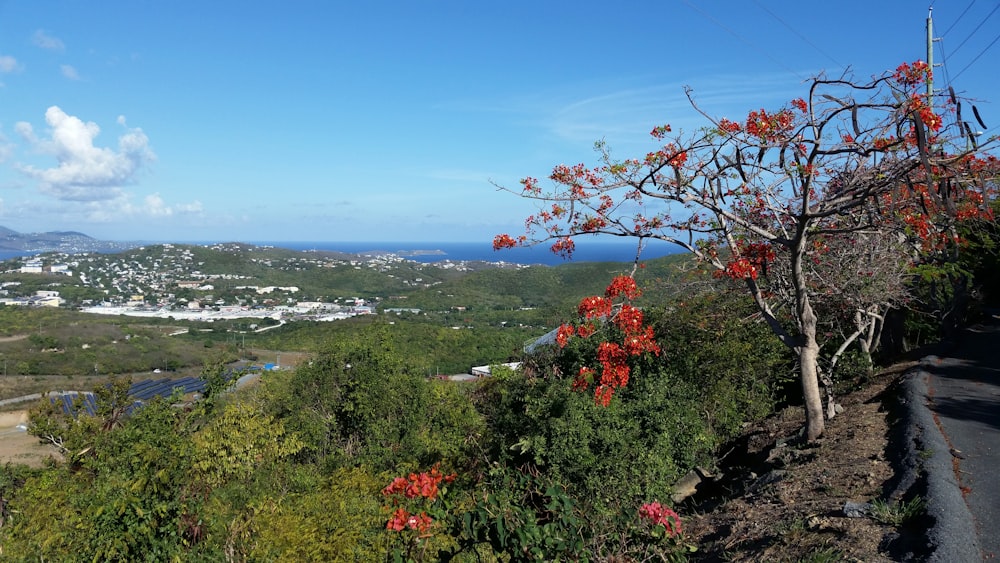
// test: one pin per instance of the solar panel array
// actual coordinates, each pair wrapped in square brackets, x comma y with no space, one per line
[75,403]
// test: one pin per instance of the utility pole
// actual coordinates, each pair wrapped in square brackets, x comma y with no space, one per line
[930,57]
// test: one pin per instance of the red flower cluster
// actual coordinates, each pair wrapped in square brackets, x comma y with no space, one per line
[423,485]
[729,126]
[912,75]
[595,307]
[507,241]
[656,513]
[613,357]
[750,259]
[531,185]
[660,131]
[926,113]
[739,269]
[623,285]
[770,127]
[564,247]
[401,520]
[418,484]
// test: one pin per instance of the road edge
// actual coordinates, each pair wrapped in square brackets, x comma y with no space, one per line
[951,534]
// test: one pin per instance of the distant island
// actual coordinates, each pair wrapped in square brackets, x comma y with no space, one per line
[406,253]
[13,242]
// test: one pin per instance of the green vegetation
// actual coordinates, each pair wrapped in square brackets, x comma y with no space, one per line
[294,467]
[50,341]
[898,513]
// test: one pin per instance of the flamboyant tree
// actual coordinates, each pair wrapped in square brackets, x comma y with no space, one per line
[850,160]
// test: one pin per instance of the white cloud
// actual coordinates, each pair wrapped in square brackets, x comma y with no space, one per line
[26,131]
[85,172]
[6,148]
[8,63]
[69,72]
[48,42]
[151,208]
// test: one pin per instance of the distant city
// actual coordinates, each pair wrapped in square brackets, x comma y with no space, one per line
[13,244]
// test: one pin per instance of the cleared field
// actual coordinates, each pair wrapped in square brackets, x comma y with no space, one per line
[17,446]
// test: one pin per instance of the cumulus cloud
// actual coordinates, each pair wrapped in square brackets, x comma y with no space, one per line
[8,63]
[6,148]
[152,207]
[69,72]
[84,172]
[48,42]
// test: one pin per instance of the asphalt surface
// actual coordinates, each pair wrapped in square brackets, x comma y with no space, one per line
[954,403]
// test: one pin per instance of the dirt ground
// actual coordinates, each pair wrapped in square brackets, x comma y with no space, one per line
[17,446]
[785,500]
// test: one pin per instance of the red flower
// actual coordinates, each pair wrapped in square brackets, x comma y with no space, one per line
[660,131]
[564,247]
[563,335]
[594,307]
[398,521]
[656,513]
[398,485]
[583,379]
[623,285]
[507,241]
[729,126]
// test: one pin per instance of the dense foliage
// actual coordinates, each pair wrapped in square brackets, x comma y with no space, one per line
[293,468]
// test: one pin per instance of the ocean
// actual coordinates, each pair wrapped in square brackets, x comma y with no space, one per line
[586,251]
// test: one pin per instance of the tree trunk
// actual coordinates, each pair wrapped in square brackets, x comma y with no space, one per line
[809,376]
[808,349]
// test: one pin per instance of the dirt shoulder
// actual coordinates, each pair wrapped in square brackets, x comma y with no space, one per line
[17,446]
[781,500]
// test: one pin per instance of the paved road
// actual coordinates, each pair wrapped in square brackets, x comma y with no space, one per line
[962,392]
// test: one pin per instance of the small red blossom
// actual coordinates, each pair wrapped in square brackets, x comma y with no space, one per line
[602,396]
[595,307]
[507,241]
[398,485]
[769,127]
[398,521]
[738,269]
[623,285]
[913,75]
[423,484]
[658,514]
[800,104]
[583,379]
[563,335]
[729,126]
[564,247]
[660,131]
[585,330]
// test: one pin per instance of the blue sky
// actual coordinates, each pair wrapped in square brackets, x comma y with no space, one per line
[387,121]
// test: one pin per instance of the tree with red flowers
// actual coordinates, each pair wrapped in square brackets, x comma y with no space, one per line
[768,196]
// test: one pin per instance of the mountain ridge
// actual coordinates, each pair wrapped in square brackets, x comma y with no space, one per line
[56,241]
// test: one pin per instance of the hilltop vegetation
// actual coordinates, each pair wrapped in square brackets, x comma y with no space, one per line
[302,466]
[467,316]
[330,435]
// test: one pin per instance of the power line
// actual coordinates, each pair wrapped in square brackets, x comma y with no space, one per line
[944,61]
[738,36]
[969,36]
[981,53]
[959,18]
[801,36]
